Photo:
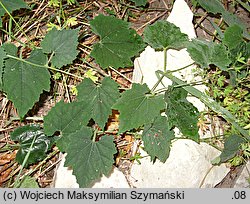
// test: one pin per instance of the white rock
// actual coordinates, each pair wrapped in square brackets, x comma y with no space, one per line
[188,166]
[65,179]
[244,179]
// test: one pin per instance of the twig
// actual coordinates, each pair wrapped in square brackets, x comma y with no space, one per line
[120,74]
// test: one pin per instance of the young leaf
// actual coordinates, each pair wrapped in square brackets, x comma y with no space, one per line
[233,36]
[118,43]
[140,2]
[23,81]
[181,113]
[137,107]
[89,159]
[164,35]
[2,57]
[205,53]
[72,117]
[62,44]
[11,5]
[231,146]
[100,98]
[157,138]
[25,135]
[29,182]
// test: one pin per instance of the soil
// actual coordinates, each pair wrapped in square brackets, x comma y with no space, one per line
[155,10]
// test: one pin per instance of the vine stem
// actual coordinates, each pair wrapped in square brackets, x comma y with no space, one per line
[165,70]
[31,171]
[165,59]
[44,66]
[181,85]
[177,70]
[17,182]
[95,134]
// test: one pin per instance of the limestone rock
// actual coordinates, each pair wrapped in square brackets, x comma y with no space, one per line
[244,179]
[188,166]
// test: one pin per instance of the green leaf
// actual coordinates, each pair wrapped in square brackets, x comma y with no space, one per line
[138,107]
[29,182]
[164,35]
[62,44]
[181,113]
[118,43]
[212,6]
[205,53]
[140,2]
[24,82]
[157,138]
[88,159]
[25,135]
[233,36]
[242,49]
[67,118]
[208,101]
[11,5]
[10,48]
[232,19]
[100,98]
[2,57]
[231,146]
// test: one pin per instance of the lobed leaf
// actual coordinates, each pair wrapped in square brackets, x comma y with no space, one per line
[157,138]
[164,35]
[25,136]
[89,159]
[66,118]
[100,98]
[138,107]
[181,113]
[23,81]
[62,44]
[118,43]
[11,5]
[205,53]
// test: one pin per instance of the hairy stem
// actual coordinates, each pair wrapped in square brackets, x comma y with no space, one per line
[165,60]
[44,66]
